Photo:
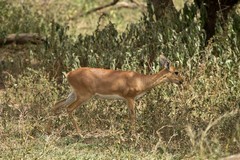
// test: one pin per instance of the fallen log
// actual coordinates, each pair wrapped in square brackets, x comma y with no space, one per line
[22,38]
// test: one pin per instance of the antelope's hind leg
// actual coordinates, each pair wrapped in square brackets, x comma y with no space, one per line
[55,111]
[80,101]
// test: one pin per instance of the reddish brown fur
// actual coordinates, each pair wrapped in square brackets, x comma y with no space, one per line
[126,85]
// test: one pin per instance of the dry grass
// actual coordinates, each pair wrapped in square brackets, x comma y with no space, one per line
[199,120]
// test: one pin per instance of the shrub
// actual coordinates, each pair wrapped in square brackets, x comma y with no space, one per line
[201,118]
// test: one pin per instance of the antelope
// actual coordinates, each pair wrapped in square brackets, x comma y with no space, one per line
[112,84]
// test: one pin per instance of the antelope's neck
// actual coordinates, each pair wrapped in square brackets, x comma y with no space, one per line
[151,81]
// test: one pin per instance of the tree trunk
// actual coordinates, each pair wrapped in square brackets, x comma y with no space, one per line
[212,9]
[160,7]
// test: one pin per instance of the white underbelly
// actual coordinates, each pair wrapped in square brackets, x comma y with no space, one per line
[115,96]
[140,95]
[111,96]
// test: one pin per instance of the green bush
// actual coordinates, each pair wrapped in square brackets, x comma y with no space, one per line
[199,119]
[28,100]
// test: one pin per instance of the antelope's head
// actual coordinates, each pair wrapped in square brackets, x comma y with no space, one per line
[171,74]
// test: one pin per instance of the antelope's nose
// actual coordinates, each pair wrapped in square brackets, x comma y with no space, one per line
[180,81]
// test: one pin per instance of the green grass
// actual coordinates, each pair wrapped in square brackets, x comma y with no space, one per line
[198,120]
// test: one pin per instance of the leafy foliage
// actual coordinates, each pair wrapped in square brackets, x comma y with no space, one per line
[199,119]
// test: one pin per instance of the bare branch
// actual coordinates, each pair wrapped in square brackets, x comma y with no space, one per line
[116,3]
[96,9]
[232,157]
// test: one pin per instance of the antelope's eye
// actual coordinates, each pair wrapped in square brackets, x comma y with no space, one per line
[176,73]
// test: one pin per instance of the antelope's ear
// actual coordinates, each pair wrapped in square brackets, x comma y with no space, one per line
[164,62]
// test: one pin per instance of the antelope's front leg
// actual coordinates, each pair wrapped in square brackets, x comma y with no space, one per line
[132,115]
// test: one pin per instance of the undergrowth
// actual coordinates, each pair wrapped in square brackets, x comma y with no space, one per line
[199,119]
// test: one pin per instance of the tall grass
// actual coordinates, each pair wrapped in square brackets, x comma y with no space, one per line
[198,120]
